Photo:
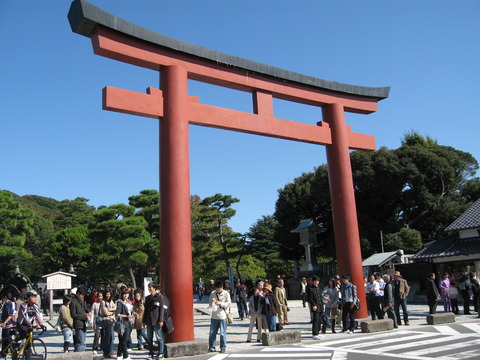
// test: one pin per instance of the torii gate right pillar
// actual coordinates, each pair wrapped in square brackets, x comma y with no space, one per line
[347,237]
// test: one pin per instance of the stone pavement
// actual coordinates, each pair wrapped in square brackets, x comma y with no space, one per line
[237,332]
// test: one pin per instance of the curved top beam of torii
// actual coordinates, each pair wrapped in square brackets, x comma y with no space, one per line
[120,40]
[85,17]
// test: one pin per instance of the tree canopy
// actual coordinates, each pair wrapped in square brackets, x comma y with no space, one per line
[421,186]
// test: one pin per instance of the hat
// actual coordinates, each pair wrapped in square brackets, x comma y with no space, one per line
[268,287]
[31,293]
[397,273]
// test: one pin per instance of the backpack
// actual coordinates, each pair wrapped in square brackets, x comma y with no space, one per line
[167,319]
[243,292]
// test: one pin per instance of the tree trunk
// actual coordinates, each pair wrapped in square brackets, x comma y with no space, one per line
[132,275]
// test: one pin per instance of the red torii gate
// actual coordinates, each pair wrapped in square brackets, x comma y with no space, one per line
[178,61]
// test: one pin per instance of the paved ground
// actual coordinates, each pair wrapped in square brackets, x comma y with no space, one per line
[237,332]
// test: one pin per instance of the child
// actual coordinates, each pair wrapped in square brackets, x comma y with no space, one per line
[453,295]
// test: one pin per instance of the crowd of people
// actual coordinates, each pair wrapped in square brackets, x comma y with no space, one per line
[331,305]
[268,306]
[107,312]
[118,311]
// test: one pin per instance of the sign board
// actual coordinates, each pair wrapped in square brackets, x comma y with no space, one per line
[59,282]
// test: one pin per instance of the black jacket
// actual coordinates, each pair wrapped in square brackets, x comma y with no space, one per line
[156,311]
[79,311]
[315,298]
[432,291]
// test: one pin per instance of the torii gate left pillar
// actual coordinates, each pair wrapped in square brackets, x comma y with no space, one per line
[177,61]
[175,224]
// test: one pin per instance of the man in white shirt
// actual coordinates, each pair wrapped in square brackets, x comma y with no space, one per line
[220,302]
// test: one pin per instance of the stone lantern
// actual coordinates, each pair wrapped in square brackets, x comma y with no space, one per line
[308,230]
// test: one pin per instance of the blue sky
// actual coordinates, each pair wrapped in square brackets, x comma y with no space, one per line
[56,141]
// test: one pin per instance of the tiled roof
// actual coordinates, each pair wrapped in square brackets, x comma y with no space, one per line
[470,219]
[379,259]
[450,245]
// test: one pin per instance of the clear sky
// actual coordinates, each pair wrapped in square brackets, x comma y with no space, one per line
[56,141]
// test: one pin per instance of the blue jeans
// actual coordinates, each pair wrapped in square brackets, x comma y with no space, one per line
[81,335]
[157,330]
[271,322]
[216,324]
[123,342]
[200,295]
[67,334]
[108,340]
[242,308]
[141,333]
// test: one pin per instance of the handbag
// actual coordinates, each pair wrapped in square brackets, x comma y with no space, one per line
[357,305]
[119,327]
[229,315]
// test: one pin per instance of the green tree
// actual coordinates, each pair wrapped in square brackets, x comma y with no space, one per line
[218,212]
[147,206]
[421,185]
[71,246]
[74,213]
[409,240]
[307,197]
[120,239]
[16,224]
[263,248]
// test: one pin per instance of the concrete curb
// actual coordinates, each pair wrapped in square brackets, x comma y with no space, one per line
[281,337]
[370,326]
[86,355]
[442,318]
[186,348]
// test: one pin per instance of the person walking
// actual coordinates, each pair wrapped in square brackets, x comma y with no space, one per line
[97,330]
[7,317]
[107,312]
[28,314]
[432,293]
[331,297]
[453,294]
[401,290]
[241,293]
[281,295]
[256,305]
[200,288]
[271,307]
[372,289]
[464,288]
[153,318]
[315,299]
[348,296]
[80,315]
[220,301]
[138,311]
[303,290]
[444,288]
[124,319]
[388,300]
[66,322]
[379,295]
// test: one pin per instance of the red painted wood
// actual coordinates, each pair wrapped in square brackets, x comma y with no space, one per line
[175,221]
[121,47]
[347,237]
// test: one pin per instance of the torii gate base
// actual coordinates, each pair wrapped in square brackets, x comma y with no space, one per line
[177,62]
